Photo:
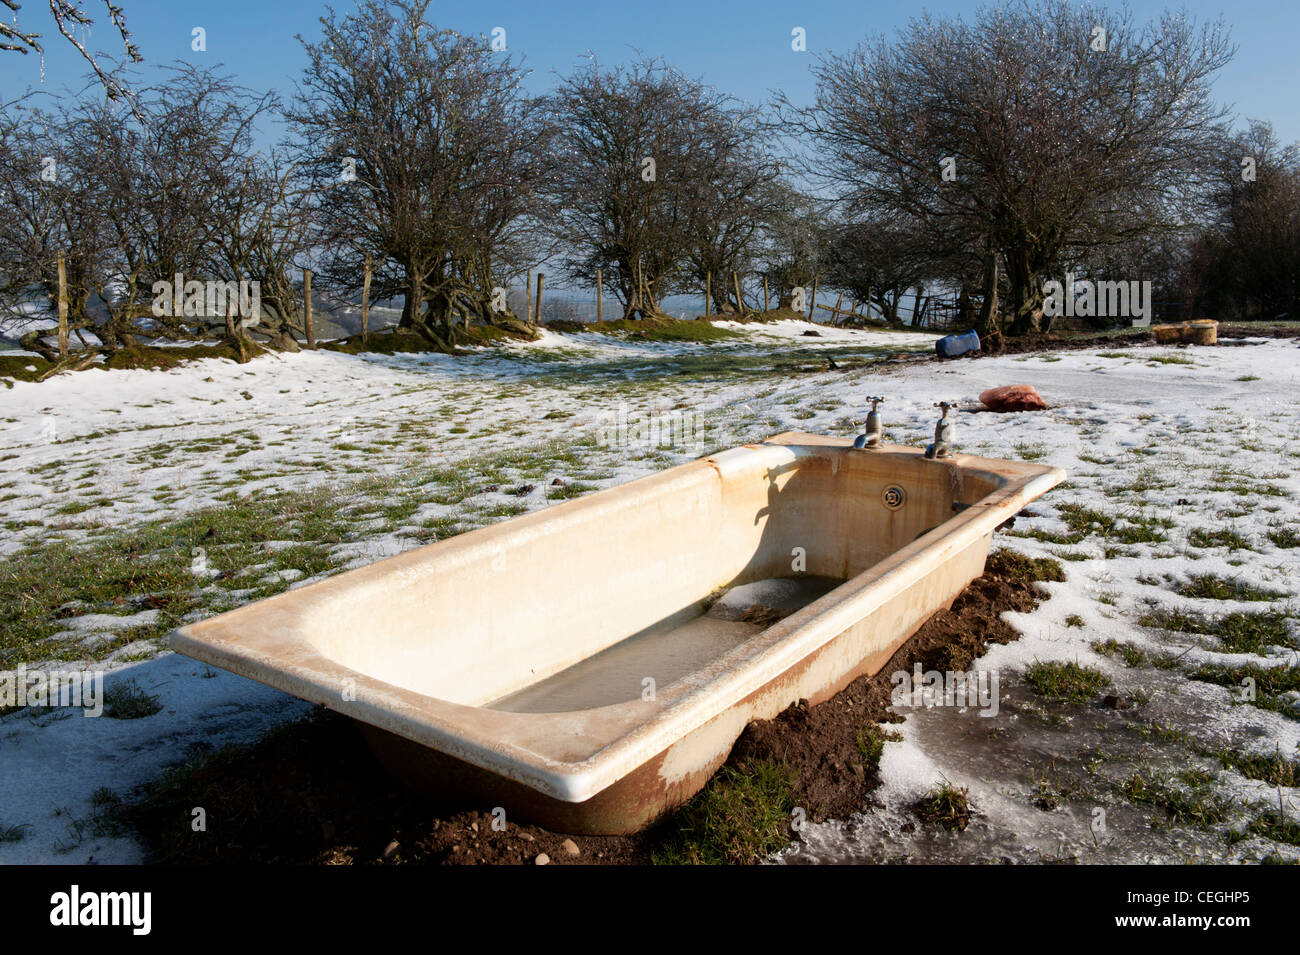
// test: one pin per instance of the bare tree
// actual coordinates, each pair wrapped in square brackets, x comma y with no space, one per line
[130,197]
[877,262]
[645,157]
[1027,136]
[794,243]
[1246,265]
[422,151]
[729,199]
[69,15]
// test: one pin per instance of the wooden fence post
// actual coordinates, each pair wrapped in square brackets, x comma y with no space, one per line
[600,284]
[540,277]
[528,297]
[63,308]
[365,301]
[765,306]
[306,298]
[813,303]
[640,287]
[740,302]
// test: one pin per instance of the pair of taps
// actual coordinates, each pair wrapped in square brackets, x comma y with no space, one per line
[873,434]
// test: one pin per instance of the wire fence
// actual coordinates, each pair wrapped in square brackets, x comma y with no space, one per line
[831,306]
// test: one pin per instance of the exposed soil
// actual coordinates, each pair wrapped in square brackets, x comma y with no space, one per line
[312,793]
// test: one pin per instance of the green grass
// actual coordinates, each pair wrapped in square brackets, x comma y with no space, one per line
[1270,825]
[1269,683]
[946,806]
[1065,682]
[661,329]
[1192,806]
[1132,527]
[1031,452]
[1215,587]
[15,367]
[1134,656]
[1205,538]
[125,700]
[1238,632]
[572,489]
[871,743]
[13,833]
[1285,536]
[742,815]
[1020,567]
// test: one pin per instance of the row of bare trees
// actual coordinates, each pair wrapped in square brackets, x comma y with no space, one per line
[983,157]
[125,197]
[1029,141]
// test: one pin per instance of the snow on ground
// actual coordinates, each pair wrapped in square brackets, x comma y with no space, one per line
[1182,462]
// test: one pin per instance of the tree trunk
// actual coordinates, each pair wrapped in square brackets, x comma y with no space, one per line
[1026,295]
[986,324]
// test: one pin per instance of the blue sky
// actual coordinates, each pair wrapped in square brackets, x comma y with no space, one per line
[743,48]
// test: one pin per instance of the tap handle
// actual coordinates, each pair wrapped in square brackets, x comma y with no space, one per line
[876,401]
[946,406]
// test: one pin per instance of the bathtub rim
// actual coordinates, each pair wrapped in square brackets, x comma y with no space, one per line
[635,731]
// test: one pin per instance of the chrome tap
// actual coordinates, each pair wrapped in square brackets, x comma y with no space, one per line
[873,434]
[943,433]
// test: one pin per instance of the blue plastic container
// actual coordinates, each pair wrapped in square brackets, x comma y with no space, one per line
[950,346]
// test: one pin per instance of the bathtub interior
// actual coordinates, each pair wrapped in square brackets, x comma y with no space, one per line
[572,607]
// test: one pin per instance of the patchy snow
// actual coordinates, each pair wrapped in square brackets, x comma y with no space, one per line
[56,760]
[1201,438]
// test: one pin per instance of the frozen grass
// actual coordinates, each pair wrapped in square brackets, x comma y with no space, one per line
[1065,682]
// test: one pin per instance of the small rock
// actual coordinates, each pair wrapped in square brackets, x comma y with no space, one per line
[527,837]
[811,333]
[491,489]
[390,851]
[523,489]
[558,482]
[570,848]
[246,395]
[542,859]
[474,826]
[1115,701]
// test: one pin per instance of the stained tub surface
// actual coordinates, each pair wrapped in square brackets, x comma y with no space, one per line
[590,665]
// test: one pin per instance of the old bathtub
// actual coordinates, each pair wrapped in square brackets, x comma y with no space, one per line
[562,664]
